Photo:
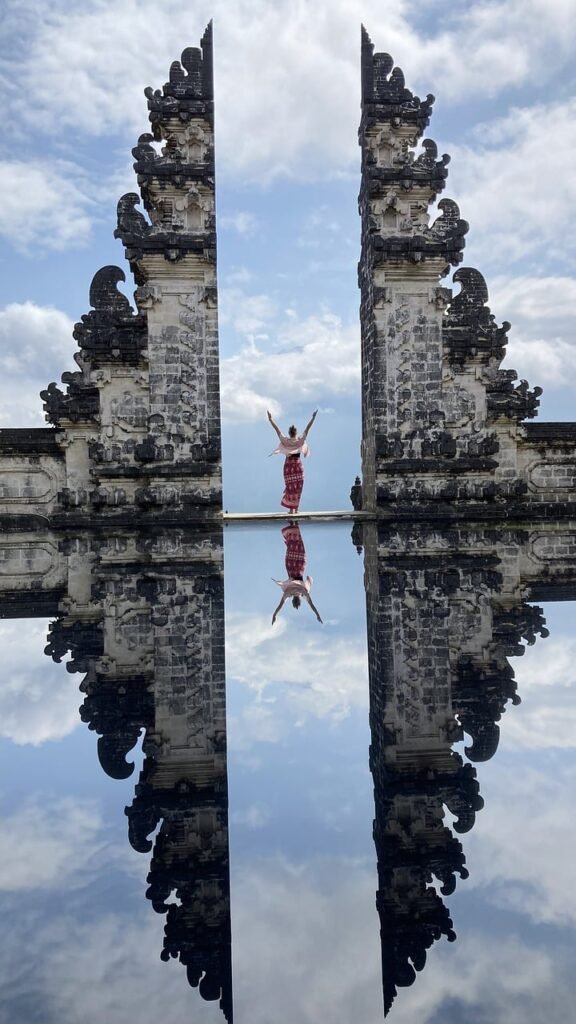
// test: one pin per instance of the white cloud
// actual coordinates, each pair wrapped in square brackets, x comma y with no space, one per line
[520,851]
[46,842]
[454,982]
[104,965]
[36,346]
[318,356]
[61,873]
[252,817]
[311,357]
[39,700]
[535,303]
[542,342]
[550,361]
[287,76]
[305,936]
[243,222]
[501,183]
[246,313]
[34,335]
[45,205]
[291,677]
[546,677]
[310,943]
[240,402]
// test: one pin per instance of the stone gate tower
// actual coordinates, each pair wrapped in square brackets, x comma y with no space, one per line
[136,431]
[444,427]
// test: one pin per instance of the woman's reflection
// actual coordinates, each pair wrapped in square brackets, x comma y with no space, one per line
[296,586]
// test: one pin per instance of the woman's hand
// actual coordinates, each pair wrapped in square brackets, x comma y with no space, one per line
[269,415]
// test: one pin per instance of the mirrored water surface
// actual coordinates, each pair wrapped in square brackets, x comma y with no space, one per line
[363,819]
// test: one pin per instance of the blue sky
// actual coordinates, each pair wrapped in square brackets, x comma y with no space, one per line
[287,111]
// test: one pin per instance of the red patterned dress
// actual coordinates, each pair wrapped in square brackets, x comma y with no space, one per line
[293,448]
[295,552]
[293,482]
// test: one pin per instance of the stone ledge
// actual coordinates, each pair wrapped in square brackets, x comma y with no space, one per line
[170,568]
[471,464]
[506,511]
[30,440]
[553,590]
[20,604]
[132,518]
[550,432]
[152,470]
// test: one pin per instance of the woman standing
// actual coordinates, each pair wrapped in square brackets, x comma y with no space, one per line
[292,446]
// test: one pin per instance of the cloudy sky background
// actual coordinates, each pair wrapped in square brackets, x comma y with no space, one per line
[287,101]
[287,110]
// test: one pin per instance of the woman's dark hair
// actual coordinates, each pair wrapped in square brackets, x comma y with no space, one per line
[296,602]
[292,432]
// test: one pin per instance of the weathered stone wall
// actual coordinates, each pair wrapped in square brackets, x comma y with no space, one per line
[443,425]
[174,263]
[138,424]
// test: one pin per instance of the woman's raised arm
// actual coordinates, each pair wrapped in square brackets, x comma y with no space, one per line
[276,610]
[313,607]
[275,425]
[308,425]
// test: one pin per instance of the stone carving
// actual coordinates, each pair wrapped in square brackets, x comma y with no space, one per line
[188,90]
[470,329]
[80,403]
[147,386]
[146,629]
[111,332]
[441,420]
[444,615]
[383,84]
[117,708]
[83,640]
[132,225]
[503,399]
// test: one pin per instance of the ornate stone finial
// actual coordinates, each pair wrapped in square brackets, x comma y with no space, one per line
[189,91]
[356,495]
[383,85]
